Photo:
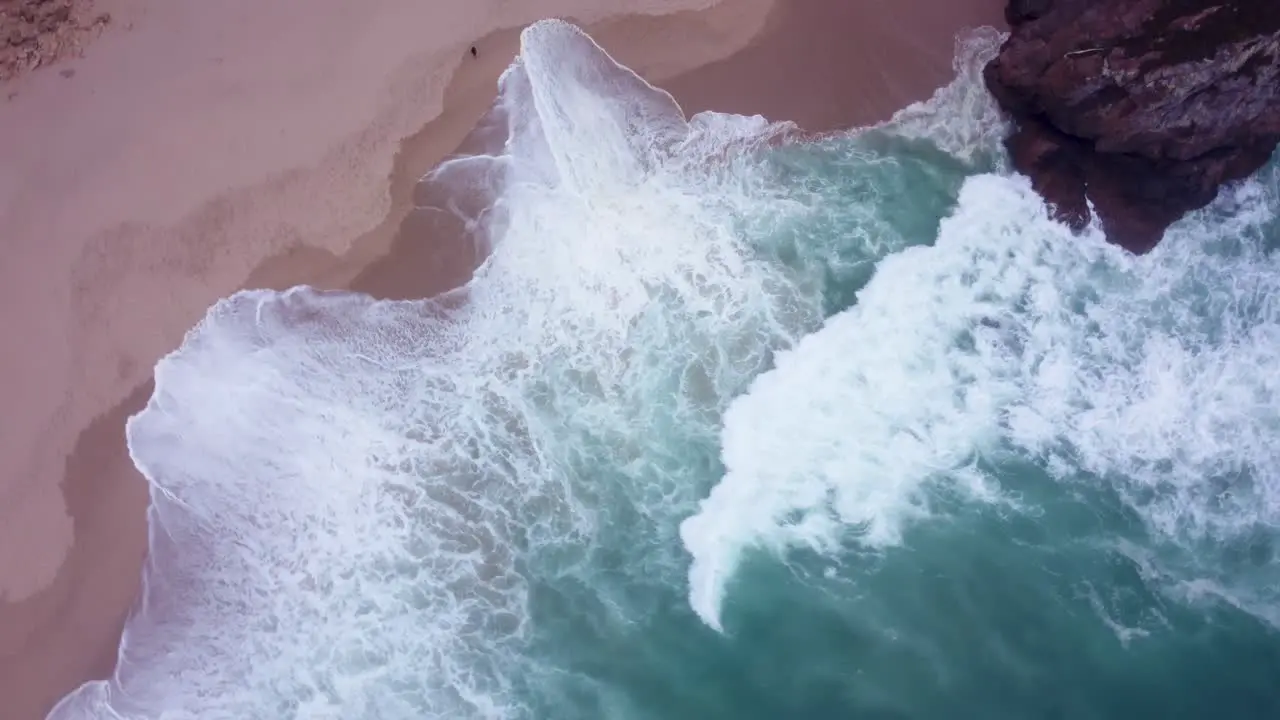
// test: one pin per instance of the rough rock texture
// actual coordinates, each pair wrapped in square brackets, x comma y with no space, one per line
[1144,107]
[38,32]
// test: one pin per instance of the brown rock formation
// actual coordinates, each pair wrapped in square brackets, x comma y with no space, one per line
[1144,107]
[38,32]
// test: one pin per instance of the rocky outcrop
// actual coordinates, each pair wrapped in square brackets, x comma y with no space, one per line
[1143,108]
[38,32]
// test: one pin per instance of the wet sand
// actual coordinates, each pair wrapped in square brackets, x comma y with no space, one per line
[212,147]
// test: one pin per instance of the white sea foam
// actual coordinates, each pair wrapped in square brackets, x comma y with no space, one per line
[342,489]
[1011,333]
[961,117]
[347,493]
[781,487]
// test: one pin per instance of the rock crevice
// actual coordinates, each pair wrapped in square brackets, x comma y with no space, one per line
[1138,110]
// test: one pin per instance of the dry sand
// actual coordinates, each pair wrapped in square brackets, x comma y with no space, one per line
[202,147]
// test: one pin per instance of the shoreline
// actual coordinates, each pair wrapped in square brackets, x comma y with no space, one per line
[68,630]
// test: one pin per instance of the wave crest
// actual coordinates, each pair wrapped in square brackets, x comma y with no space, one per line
[344,491]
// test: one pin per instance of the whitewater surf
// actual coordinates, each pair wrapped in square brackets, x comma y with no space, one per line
[728,423]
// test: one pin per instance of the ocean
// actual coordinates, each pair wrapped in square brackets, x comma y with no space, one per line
[732,422]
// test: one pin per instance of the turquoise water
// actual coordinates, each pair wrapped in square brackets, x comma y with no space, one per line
[729,424]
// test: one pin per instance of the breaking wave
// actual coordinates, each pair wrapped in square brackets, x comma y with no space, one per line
[728,422]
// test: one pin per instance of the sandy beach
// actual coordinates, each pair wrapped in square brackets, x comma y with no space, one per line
[198,148]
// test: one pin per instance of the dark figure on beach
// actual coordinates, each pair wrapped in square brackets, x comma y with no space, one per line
[473,51]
